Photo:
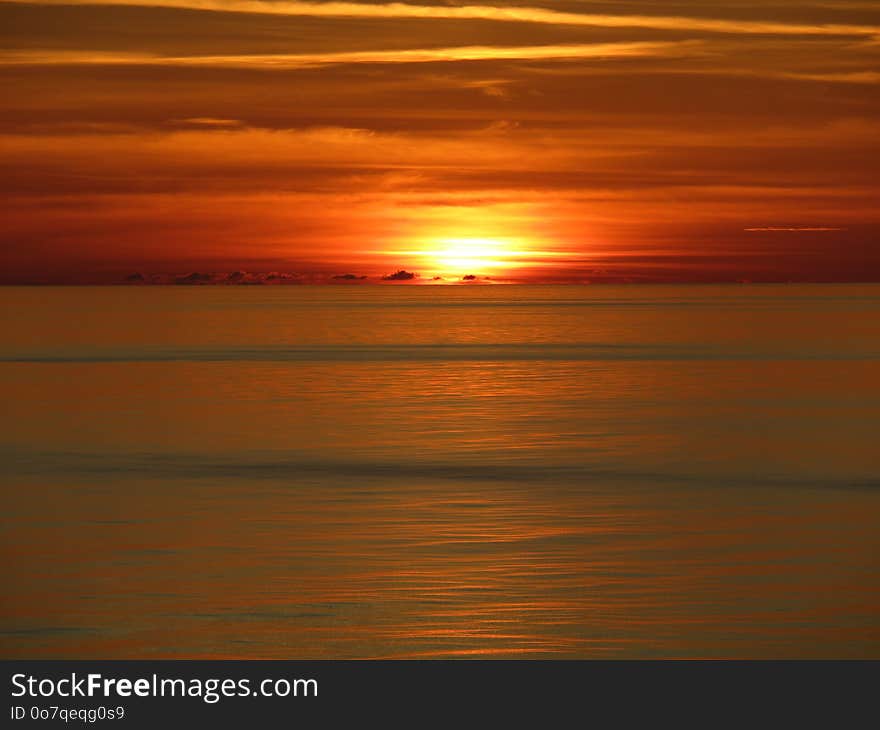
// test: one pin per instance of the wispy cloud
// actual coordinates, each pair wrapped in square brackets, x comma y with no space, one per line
[208,122]
[489,12]
[305,60]
[791,229]
[841,77]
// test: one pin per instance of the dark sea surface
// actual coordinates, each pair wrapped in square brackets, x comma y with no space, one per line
[440,471]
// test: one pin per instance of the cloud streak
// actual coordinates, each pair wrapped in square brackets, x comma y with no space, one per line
[306,60]
[493,13]
[793,229]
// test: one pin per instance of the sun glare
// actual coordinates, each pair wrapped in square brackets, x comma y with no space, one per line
[469,255]
[476,244]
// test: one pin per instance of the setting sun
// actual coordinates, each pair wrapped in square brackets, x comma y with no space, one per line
[506,258]
[469,255]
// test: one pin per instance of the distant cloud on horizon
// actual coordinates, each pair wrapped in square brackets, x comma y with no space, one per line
[400,275]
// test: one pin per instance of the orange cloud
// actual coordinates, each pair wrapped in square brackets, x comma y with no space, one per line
[489,12]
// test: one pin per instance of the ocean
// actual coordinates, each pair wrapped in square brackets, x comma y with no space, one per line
[307,472]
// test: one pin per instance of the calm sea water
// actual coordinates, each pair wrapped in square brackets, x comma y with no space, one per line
[307,472]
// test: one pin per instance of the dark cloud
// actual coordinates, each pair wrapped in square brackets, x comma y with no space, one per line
[195,278]
[348,277]
[243,278]
[283,277]
[399,276]
[235,278]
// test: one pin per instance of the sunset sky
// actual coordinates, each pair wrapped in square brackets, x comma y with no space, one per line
[542,140]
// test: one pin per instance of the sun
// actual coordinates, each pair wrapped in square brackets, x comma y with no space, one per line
[463,256]
[501,242]
[460,257]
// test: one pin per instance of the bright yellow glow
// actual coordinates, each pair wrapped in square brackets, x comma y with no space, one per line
[469,255]
[451,243]
[456,258]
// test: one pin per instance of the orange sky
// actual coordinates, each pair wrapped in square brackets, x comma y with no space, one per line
[525,141]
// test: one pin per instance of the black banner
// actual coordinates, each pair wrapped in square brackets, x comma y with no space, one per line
[412,693]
